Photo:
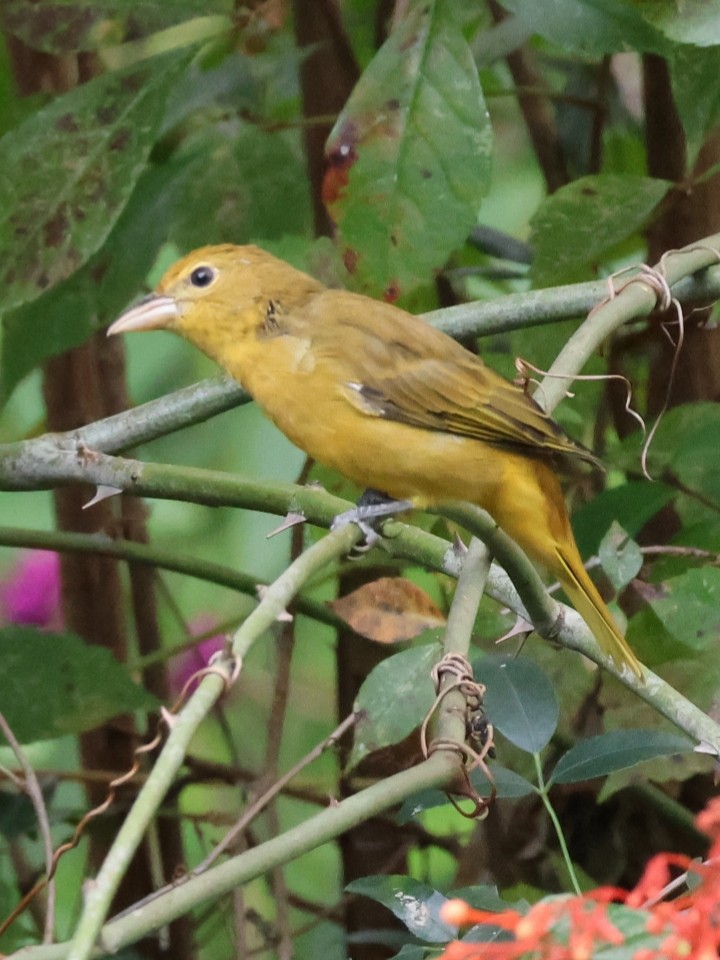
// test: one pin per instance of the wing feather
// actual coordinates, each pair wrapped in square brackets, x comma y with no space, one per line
[398,367]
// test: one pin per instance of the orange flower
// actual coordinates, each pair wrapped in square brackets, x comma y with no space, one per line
[572,928]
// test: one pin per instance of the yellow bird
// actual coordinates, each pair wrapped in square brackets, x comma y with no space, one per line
[384,398]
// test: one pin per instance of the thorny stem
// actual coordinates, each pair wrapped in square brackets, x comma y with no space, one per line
[183,728]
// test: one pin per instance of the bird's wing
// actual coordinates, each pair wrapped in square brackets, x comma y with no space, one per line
[398,367]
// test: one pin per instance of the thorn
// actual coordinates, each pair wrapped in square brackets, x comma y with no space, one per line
[291,520]
[521,628]
[169,719]
[459,548]
[283,617]
[102,492]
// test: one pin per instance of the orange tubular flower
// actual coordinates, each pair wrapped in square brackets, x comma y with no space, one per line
[573,928]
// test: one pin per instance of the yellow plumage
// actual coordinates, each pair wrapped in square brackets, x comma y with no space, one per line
[386,399]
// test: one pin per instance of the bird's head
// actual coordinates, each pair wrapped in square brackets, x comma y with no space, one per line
[212,297]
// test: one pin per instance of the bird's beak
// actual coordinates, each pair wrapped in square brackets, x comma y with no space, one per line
[153,313]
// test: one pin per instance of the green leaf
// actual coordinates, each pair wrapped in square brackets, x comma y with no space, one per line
[688,21]
[79,686]
[250,185]
[519,700]
[394,699]
[690,438]
[507,783]
[696,90]
[413,903]
[588,27]
[17,815]
[65,316]
[483,897]
[409,155]
[688,606]
[410,951]
[630,505]
[582,221]
[620,556]
[615,750]
[69,26]
[67,172]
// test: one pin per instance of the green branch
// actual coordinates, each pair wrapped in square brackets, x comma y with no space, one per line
[636,298]
[325,826]
[689,275]
[516,311]
[214,488]
[152,556]
[184,726]
[466,599]
[539,607]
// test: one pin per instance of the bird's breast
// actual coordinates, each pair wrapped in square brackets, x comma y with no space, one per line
[307,396]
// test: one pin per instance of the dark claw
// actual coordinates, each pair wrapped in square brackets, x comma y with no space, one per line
[371,507]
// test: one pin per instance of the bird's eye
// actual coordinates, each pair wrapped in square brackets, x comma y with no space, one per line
[202,276]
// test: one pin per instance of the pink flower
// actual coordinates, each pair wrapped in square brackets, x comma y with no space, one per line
[196,658]
[31,593]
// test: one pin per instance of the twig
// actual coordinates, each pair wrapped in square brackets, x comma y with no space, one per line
[637,298]
[272,792]
[251,812]
[184,726]
[34,792]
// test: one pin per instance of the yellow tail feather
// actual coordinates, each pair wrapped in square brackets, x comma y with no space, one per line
[590,605]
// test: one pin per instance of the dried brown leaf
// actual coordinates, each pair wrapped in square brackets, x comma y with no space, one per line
[389,610]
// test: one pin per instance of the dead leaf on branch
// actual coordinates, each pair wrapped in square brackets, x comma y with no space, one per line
[389,610]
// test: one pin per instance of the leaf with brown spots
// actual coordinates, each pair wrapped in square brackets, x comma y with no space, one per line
[409,156]
[69,26]
[65,316]
[68,171]
[389,610]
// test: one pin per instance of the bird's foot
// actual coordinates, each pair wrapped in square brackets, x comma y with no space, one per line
[371,507]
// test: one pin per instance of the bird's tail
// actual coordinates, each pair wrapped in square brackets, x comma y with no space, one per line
[590,605]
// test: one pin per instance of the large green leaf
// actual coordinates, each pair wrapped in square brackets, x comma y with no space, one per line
[684,21]
[67,172]
[409,154]
[68,26]
[688,606]
[616,750]
[53,684]
[630,505]
[415,904]
[249,185]
[588,27]
[581,222]
[696,89]
[66,315]
[393,700]
[520,700]
[690,439]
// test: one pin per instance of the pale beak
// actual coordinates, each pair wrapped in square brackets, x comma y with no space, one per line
[153,313]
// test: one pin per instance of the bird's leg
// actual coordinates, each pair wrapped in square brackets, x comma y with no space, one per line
[373,505]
